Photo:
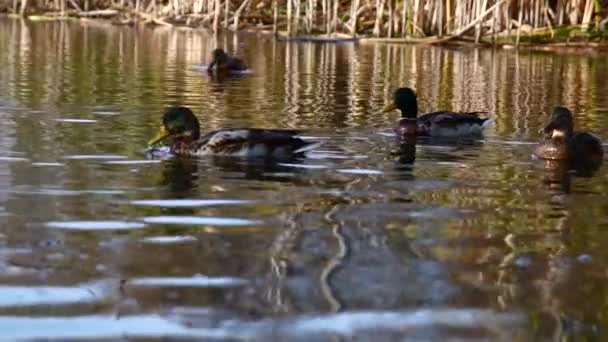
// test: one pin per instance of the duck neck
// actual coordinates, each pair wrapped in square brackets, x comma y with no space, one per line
[559,134]
[410,112]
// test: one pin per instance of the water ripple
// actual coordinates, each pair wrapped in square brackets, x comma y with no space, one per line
[12,296]
[195,281]
[200,220]
[196,324]
[188,203]
[168,239]
[95,225]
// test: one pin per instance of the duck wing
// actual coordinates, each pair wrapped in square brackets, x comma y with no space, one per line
[586,146]
[235,63]
[247,141]
[451,124]
[453,118]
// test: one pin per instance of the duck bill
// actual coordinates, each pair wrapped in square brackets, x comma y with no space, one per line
[549,128]
[160,136]
[389,108]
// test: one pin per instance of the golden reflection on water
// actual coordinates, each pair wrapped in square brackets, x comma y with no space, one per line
[53,64]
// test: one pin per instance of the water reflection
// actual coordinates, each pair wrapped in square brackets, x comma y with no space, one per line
[365,238]
[407,152]
[558,173]
[179,177]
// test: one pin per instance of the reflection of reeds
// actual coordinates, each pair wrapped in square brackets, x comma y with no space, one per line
[321,85]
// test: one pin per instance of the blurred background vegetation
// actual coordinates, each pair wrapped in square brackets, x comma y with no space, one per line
[556,20]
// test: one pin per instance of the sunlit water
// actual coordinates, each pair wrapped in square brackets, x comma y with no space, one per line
[468,240]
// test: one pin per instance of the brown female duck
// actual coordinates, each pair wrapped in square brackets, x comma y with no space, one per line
[561,142]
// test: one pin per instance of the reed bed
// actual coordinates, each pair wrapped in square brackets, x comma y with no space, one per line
[376,18]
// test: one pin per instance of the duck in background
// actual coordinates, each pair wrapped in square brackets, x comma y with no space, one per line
[436,124]
[181,129]
[224,63]
[562,143]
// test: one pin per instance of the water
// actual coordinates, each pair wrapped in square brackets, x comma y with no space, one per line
[471,240]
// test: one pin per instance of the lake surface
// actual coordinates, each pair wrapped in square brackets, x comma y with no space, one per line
[362,240]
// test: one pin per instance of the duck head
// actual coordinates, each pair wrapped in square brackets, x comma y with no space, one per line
[219,56]
[404,99]
[561,124]
[179,123]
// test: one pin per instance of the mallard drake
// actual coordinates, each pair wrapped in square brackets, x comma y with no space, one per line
[561,142]
[225,63]
[436,124]
[182,129]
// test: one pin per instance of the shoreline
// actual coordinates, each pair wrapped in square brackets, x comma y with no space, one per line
[542,39]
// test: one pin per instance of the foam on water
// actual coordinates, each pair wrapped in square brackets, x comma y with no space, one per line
[94,156]
[95,225]
[305,166]
[68,120]
[19,296]
[194,323]
[13,159]
[360,171]
[161,240]
[199,220]
[46,164]
[105,112]
[133,162]
[195,281]
[188,203]
[67,192]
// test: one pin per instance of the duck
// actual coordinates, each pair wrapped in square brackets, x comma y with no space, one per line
[562,143]
[181,129]
[436,124]
[225,63]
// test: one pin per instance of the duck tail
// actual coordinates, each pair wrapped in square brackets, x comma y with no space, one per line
[309,145]
[487,123]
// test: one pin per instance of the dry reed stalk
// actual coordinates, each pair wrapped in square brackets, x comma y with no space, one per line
[275,16]
[334,22]
[324,14]
[416,14]
[289,18]
[379,12]
[519,22]
[237,13]
[216,15]
[226,11]
[389,32]
[587,13]
[404,6]
[352,22]
[297,18]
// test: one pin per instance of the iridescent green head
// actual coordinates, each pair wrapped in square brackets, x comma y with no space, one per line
[178,123]
[404,99]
